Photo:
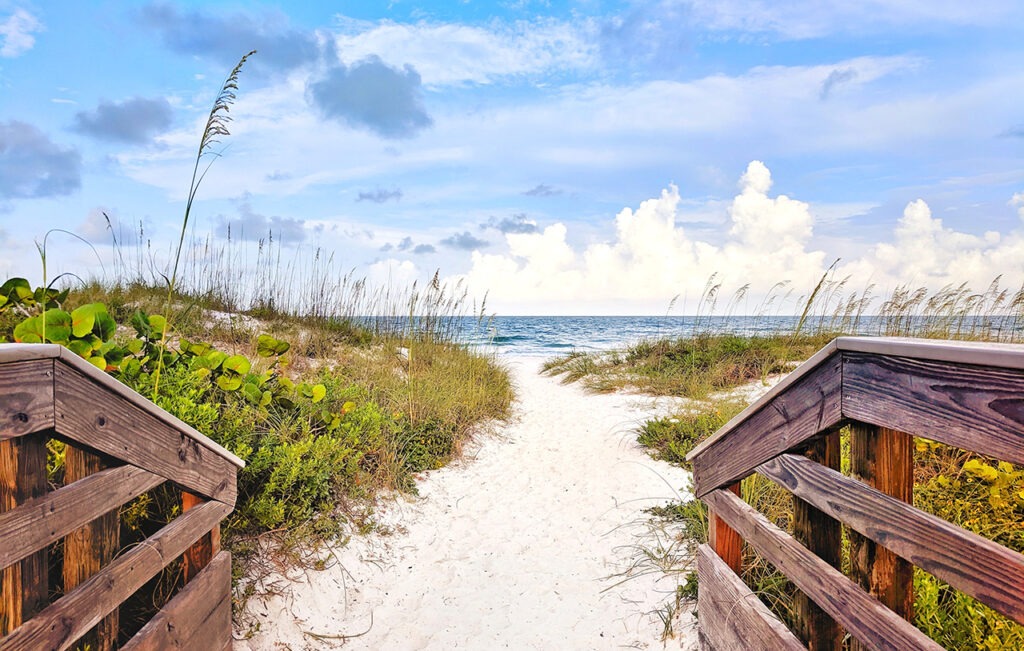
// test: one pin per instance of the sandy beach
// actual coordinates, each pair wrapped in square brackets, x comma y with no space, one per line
[519,545]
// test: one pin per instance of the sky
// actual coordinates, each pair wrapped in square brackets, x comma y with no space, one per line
[580,157]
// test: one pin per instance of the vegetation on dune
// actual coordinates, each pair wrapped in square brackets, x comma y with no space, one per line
[329,390]
[982,495]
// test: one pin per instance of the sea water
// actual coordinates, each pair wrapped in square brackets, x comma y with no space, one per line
[550,336]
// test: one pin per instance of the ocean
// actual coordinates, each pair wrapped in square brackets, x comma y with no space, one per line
[549,336]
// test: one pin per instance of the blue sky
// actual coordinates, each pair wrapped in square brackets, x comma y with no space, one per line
[573,157]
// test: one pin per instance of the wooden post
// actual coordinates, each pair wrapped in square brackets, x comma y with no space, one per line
[202,552]
[724,539]
[883,459]
[88,549]
[24,586]
[822,535]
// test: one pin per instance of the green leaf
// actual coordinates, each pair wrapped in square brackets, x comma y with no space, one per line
[140,321]
[80,348]
[131,367]
[229,382]
[319,391]
[98,361]
[135,346]
[16,290]
[237,364]
[84,318]
[252,392]
[105,325]
[267,346]
[52,326]
[158,324]
[266,398]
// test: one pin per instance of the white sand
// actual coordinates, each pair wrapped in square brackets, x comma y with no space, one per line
[511,548]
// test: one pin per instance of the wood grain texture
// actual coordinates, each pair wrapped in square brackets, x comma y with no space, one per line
[884,460]
[859,613]
[808,407]
[198,617]
[822,535]
[731,616]
[44,520]
[976,408]
[26,398]
[58,626]
[24,586]
[724,540]
[92,546]
[118,427]
[970,563]
[199,554]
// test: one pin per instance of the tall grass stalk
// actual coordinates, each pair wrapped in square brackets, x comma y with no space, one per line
[216,127]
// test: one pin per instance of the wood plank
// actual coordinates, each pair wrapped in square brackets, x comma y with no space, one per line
[67,508]
[822,535]
[808,407]
[724,540]
[859,613]
[730,616]
[27,404]
[198,617]
[987,571]
[198,555]
[92,546]
[971,407]
[60,625]
[24,586]
[120,428]
[975,353]
[882,459]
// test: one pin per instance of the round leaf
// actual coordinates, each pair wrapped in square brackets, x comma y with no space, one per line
[319,391]
[229,382]
[238,364]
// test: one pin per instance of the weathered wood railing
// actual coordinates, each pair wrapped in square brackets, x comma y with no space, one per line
[887,390]
[118,446]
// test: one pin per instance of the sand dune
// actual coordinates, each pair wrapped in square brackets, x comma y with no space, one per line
[515,547]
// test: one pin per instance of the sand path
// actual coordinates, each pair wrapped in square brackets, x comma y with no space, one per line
[509,549]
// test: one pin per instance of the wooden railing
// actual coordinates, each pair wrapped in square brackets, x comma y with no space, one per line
[887,391]
[64,572]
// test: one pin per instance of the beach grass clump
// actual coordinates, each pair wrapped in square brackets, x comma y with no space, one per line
[670,438]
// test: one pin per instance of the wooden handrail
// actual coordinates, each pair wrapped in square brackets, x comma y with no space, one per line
[968,395]
[117,447]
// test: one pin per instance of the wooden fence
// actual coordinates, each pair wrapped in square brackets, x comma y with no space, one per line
[65,574]
[887,390]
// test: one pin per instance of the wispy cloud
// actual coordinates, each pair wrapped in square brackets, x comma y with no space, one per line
[33,166]
[133,121]
[542,190]
[371,94]
[517,223]
[379,195]
[250,226]
[835,78]
[16,33]
[465,241]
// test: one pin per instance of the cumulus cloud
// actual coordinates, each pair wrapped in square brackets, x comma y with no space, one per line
[421,249]
[250,226]
[652,257]
[542,190]
[16,33]
[225,38]
[517,223]
[32,165]
[1018,200]
[465,241]
[133,121]
[379,195]
[371,94]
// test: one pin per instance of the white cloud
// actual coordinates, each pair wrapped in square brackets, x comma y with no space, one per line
[16,33]
[800,19]
[1018,200]
[652,258]
[447,54]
